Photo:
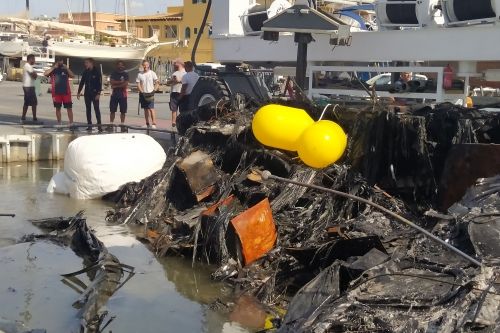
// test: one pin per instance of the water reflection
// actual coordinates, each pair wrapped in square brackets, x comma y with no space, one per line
[167,294]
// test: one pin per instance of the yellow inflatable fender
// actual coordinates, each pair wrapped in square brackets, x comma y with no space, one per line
[322,144]
[280,126]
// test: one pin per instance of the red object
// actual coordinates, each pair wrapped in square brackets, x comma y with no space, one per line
[448,77]
[212,210]
[256,229]
[62,99]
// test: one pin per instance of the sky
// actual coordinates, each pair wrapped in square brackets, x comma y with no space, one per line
[42,7]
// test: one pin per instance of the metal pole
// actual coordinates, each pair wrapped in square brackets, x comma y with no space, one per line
[28,9]
[7,215]
[267,175]
[91,14]
[301,65]
[126,18]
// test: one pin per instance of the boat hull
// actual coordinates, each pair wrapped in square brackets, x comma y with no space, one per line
[11,49]
[103,55]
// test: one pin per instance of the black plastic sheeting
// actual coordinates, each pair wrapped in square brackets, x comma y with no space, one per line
[405,294]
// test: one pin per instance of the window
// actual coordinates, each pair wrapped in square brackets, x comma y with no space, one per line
[195,31]
[170,31]
[153,30]
[110,28]
[187,33]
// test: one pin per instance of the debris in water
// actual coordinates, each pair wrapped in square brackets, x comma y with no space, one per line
[104,269]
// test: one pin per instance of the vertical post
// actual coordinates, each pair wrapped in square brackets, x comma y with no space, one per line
[91,14]
[440,90]
[311,75]
[28,9]
[300,75]
[126,18]
[301,65]
[466,89]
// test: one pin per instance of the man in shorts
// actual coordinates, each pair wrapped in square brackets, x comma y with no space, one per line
[29,77]
[175,83]
[147,83]
[59,76]
[119,84]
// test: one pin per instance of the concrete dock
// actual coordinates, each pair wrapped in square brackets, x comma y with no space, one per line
[39,142]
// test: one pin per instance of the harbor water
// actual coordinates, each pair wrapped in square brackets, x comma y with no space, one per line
[166,294]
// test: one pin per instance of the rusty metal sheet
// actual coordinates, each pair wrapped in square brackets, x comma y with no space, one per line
[200,174]
[256,230]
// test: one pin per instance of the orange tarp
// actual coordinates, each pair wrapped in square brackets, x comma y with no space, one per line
[256,229]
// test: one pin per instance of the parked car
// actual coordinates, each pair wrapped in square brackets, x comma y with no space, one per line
[385,79]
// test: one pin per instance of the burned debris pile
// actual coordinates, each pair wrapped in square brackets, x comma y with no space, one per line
[336,264]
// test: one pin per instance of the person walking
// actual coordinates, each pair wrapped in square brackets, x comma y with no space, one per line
[92,81]
[59,76]
[147,83]
[175,83]
[119,84]
[188,82]
[30,99]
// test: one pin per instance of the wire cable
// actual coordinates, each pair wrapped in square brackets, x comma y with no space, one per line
[267,175]
[200,32]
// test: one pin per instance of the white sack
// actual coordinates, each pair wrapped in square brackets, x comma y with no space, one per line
[58,184]
[99,164]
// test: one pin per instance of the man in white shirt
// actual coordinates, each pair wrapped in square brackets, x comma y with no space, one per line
[188,82]
[29,77]
[175,83]
[147,83]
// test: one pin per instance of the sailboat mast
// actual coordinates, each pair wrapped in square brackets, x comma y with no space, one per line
[91,13]
[126,17]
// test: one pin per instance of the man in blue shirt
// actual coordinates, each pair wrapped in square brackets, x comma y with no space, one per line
[119,83]
[92,81]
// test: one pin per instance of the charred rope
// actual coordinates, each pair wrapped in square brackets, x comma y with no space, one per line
[267,175]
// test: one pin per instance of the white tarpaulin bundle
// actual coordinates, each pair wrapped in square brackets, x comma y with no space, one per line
[99,164]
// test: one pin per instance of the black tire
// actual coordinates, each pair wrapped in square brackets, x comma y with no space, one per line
[208,90]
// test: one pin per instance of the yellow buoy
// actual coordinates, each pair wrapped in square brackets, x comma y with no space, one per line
[280,126]
[322,144]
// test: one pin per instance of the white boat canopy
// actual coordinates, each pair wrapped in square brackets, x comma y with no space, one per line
[114,33]
[80,29]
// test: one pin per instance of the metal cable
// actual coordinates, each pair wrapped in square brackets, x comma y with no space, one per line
[267,175]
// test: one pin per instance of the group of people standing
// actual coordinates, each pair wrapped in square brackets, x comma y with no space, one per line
[91,80]
[182,83]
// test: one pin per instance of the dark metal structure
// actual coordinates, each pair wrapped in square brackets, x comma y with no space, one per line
[303,21]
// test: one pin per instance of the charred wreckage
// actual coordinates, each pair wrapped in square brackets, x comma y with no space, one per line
[401,235]
[332,263]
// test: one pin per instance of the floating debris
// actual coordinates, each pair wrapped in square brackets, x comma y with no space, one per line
[104,269]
